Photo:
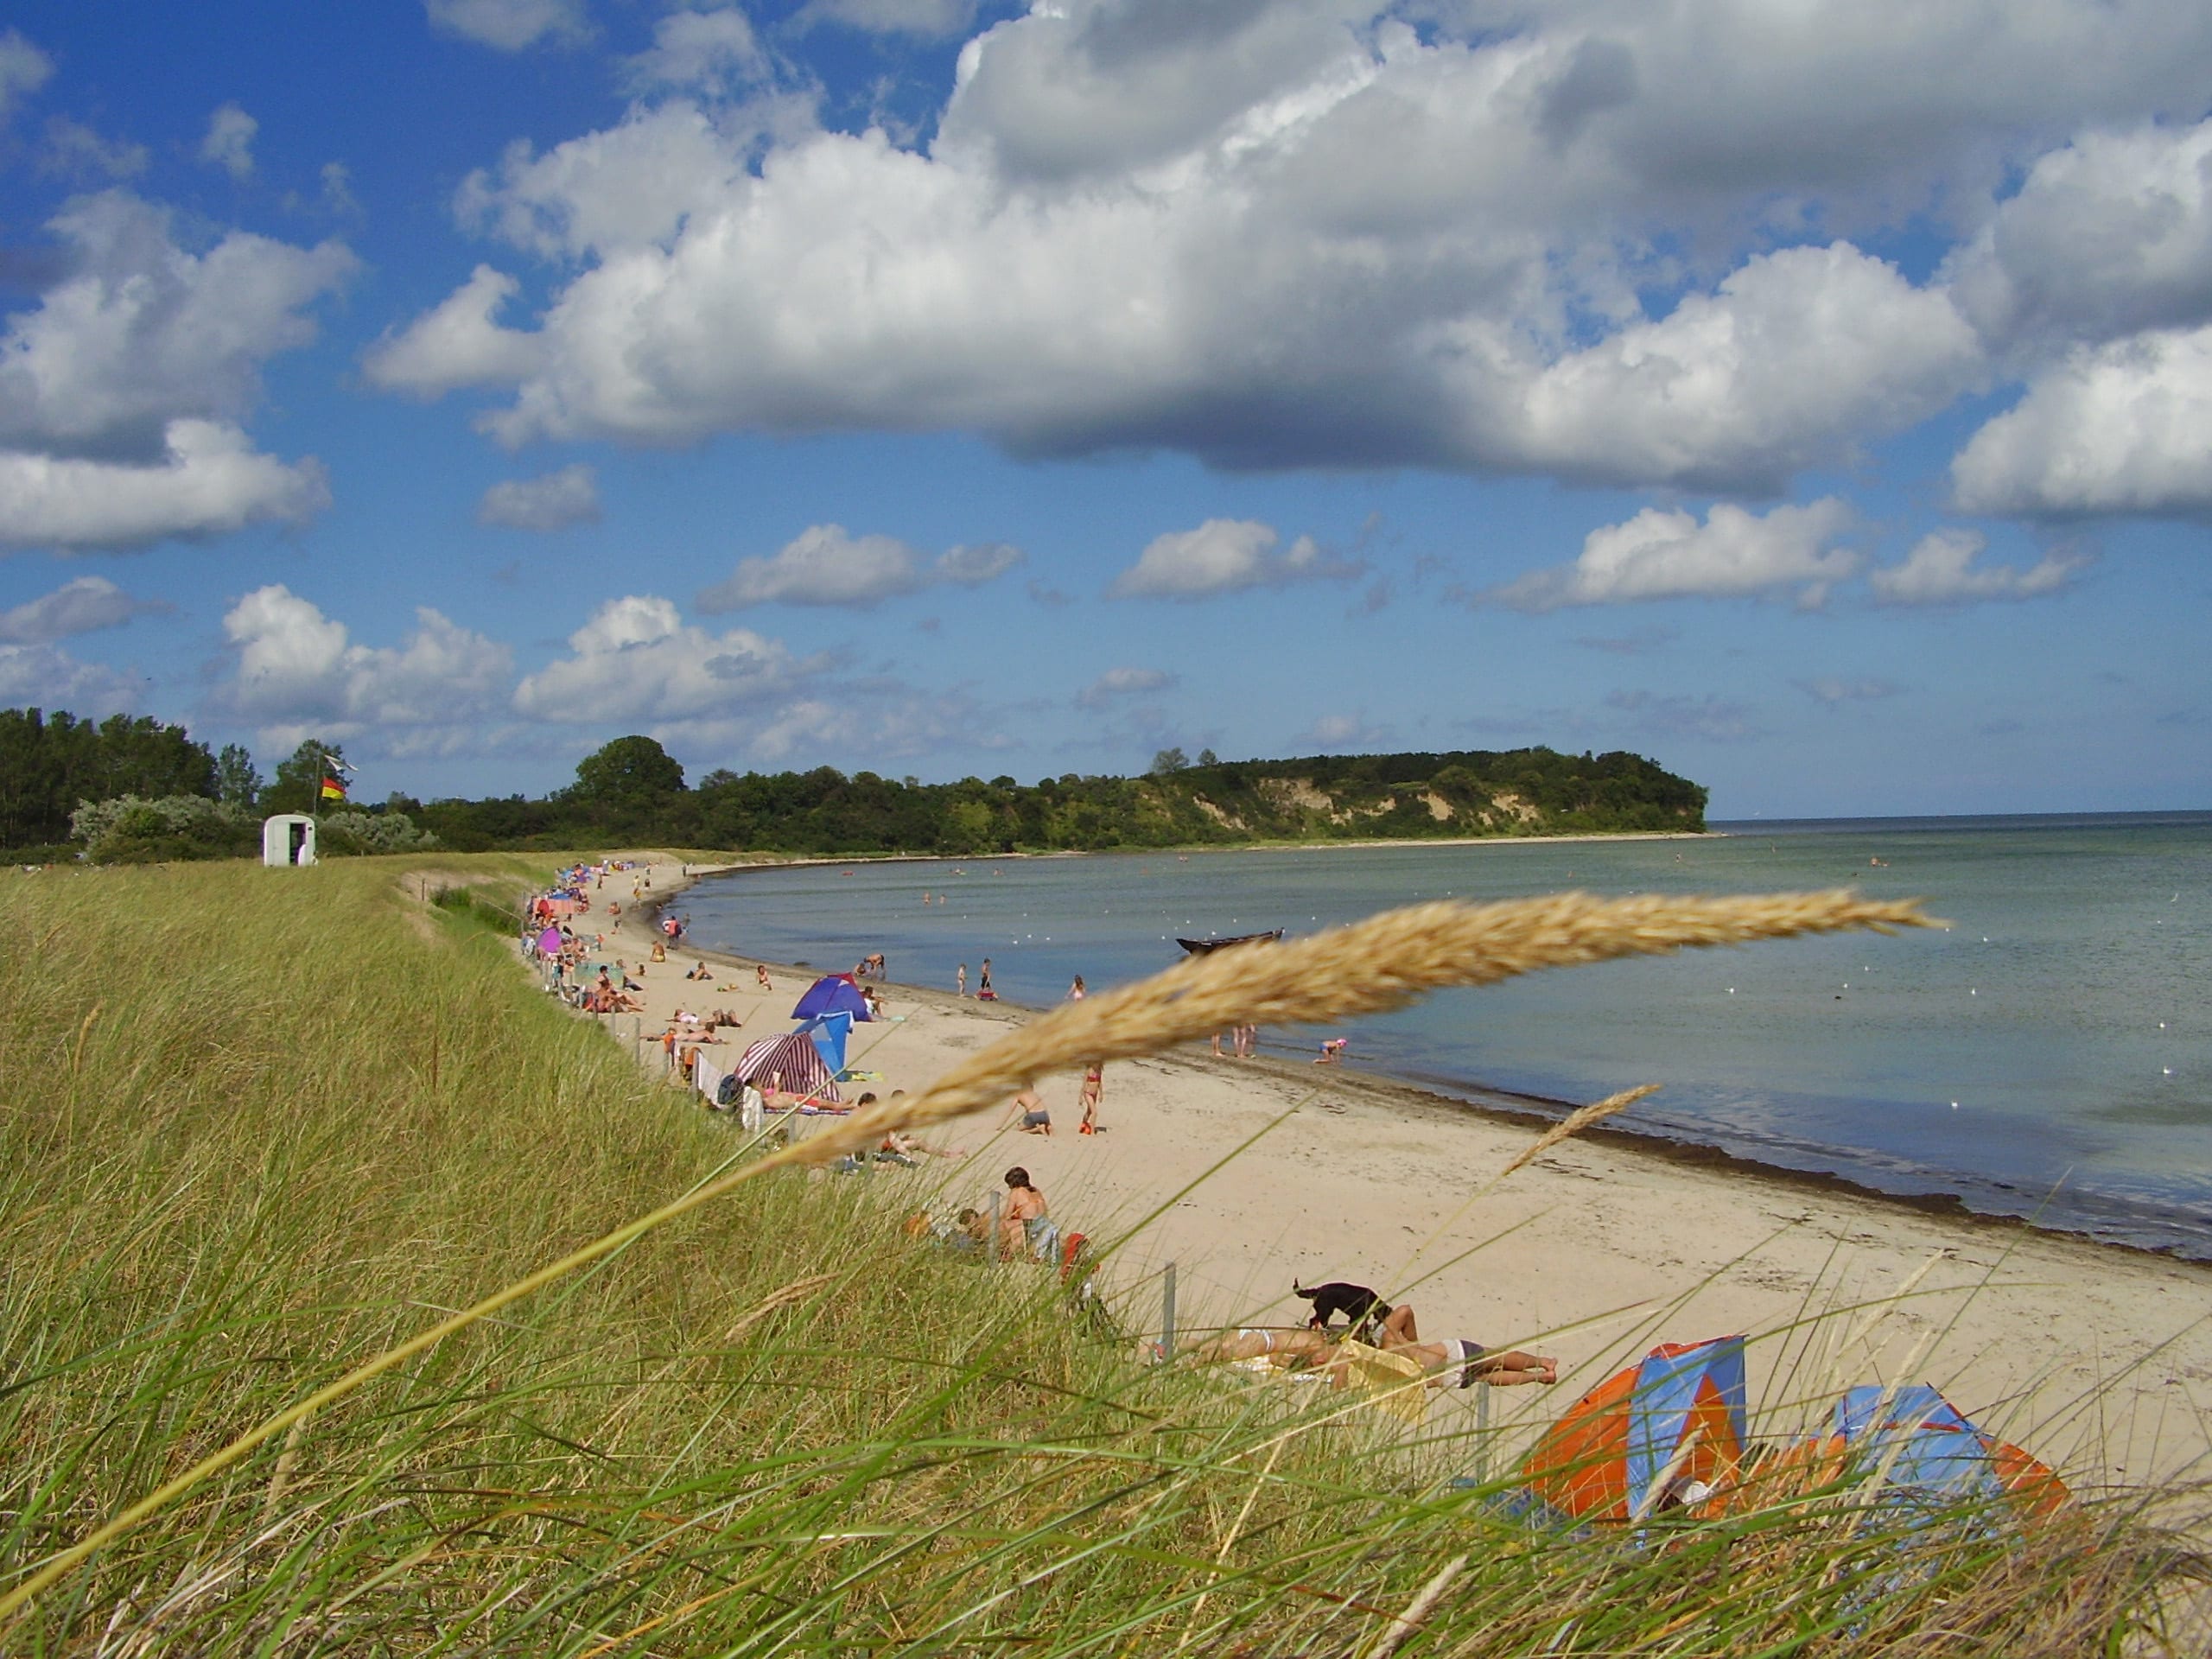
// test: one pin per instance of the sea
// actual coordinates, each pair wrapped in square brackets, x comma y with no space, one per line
[2047,1054]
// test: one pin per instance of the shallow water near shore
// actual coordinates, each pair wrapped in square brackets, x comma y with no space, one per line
[2049,1055]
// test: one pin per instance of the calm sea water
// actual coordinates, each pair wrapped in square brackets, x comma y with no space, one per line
[2049,1055]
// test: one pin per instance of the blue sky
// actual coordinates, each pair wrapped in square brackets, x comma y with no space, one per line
[1817,400]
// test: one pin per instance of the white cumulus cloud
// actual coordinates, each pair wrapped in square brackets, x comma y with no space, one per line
[210,481]
[1225,556]
[229,143]
[457,344]
[636,184]
[140,331]
[1756,381]
[86,604]
[122,391]
[554,501]
[1665,553]
[1942,569]
[826,565]
[637,660]
[711,51]
[2107,236]
[2122,427]
[295,672]
[1600,240]
[510,25]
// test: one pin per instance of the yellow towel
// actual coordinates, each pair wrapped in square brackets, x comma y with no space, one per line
[1391,1381]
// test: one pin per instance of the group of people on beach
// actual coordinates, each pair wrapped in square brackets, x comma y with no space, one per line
[1026,1231]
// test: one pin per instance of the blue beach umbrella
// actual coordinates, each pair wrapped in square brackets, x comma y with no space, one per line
[831,994]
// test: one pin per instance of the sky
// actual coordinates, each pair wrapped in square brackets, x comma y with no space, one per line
[1815,399]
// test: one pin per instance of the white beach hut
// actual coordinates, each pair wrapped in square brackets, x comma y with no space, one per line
[287,839]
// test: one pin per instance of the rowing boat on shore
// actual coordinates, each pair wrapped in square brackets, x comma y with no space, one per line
[1200,947]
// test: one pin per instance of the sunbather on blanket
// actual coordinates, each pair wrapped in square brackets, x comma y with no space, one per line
[1280,1345]
[1458,1363]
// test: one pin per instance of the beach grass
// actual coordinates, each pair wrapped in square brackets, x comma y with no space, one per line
[257,1127]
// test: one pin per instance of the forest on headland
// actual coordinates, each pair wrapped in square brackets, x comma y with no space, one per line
[137,791]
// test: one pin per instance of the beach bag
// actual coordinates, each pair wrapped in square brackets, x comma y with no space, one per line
[726,1092]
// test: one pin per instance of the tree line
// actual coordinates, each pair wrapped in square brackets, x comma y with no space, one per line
[137,788]
[633,791]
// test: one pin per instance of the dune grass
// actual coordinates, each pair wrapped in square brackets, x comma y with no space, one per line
[257,1126]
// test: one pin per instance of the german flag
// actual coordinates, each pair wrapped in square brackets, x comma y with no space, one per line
[332,789]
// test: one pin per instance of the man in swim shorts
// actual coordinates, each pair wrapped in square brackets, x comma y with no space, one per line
[1029,1115]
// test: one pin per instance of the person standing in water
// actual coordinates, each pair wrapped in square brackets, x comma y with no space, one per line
[1075,993]
[983,991]
[960,982]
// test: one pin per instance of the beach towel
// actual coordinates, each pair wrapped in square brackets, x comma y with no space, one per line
[1391,1381]
[709,1077]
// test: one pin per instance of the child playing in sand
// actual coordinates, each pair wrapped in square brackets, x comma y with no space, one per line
[760,973]
[1029,1115]
[1332,1051]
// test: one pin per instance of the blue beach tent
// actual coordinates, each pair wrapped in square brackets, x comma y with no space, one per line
[1932,1455]
[829,1032]
[1635,1441]
[831,994]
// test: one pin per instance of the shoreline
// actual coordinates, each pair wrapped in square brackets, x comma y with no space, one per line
[1520,1108]
[1249,1174]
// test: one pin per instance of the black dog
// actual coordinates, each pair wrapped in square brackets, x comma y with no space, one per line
[1359,1305]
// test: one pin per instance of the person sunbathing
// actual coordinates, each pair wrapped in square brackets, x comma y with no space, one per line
[1455,1363]
[1460,1362]
[700,971]
[896,1145]
[1283,1347]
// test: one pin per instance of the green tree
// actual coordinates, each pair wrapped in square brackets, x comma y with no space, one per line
[238,781]
[298,787]
[630,775]
[1208,758]
[1169,760]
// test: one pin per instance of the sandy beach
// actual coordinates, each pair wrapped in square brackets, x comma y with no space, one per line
[2098,1359]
